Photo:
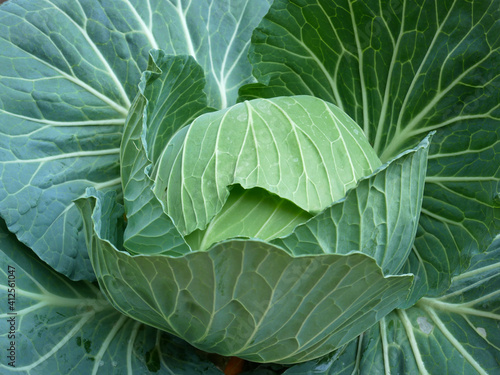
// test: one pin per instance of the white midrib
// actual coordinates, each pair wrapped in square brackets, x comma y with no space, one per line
[413,341]
[106,184]
[69,155]
[476,272]
[385,346]
[98,53]
[359,353]
[185,29]
[223,76]
[25,310]
[453,341]
[335,88]
[366,123]
[53,123]
[467,287]
[462,309]
[84,319]
[130,346]
[385,104]
[147,30]
[47,298]
[107,341]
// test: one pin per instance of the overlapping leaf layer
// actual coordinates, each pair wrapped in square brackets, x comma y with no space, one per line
[92,91]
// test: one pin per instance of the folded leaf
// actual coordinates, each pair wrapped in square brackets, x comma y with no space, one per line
[68,327]
[170,97]
[69,74]
[243,298]
[378,218]
[301,148]
[401,70]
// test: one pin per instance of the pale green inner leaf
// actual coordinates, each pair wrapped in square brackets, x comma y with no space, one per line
[253,213]
[302,149]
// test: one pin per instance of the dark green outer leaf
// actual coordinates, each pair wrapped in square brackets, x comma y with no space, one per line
[456,333]
[401,69]
[67,327]
[461,206]
[244,298]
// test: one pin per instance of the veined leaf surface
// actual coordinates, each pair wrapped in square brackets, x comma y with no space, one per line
[302,149]
[171,96]
[379,217]
[68,327]
[455,333]
[70,71]
[242,298]
[402,69]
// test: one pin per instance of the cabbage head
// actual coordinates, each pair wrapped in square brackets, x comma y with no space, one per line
[269,230]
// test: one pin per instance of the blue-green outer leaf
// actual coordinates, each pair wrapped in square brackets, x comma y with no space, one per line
[68,327]
[70,71]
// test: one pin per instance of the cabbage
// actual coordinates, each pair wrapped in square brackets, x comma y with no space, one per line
[313,184]
[271,215]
